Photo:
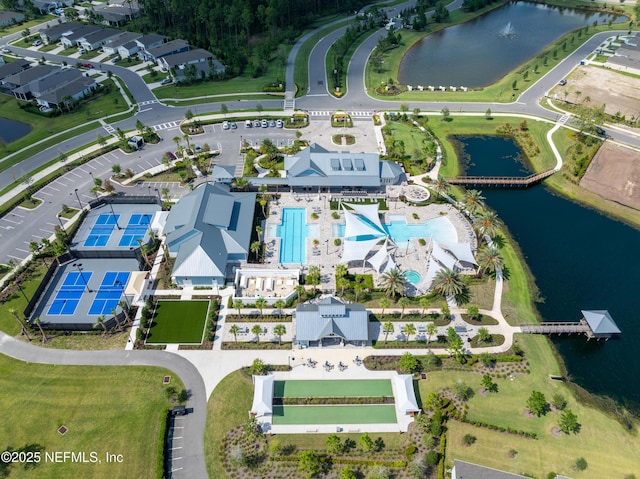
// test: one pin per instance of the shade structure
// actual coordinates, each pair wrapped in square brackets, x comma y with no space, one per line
[357,227]
[262,395]
[371,213]
[462,251]
[432,269]
[442,256]
[357,250]
[378,259]
[600,322]
[390,265]
[404,394]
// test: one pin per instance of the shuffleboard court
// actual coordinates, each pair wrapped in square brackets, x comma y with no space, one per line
[353,414]
[335,388]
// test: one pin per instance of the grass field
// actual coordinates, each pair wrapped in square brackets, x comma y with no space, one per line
[338,388]
[106,409]
[178,322]
[360,414]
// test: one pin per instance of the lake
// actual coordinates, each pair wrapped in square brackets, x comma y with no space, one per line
[11,130]
[580,259]
[480,52]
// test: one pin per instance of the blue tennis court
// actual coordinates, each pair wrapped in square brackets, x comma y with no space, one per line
[101,231]
[109,292]
[135,230]
[69,294]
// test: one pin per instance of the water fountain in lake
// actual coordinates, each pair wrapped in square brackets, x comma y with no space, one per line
[507,32]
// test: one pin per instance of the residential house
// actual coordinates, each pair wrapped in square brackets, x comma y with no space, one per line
[330,322]
[169,48]
[112,44]
[147,42]
[626,57]
[117,15]
[129,49]
[61,96]
[208,232]
[97,39]
[16,82]
[10,18]
[77,34]
[54,34]
[195,64]
[315,168]
[10,69]
[47,6]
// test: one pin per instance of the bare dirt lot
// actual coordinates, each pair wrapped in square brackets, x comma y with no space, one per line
[620,93]
[614,173]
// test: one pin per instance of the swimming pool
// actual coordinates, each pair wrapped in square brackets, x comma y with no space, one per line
[293,232]
[439,229]
[412,276]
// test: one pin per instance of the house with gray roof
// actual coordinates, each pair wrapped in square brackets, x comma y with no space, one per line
[111,45]
[467,470]
[315,168]
[10,18]
[12,68]
[73,38]
[151,40]
[97,39]
[208,232]
[48,6]
[19,82]
[54,34]
[223,174]
[169,48]
[64,94]
[117,15]
[626,57]
[331,322]
[192,64]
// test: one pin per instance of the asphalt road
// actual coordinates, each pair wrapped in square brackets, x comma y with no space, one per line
[192,464]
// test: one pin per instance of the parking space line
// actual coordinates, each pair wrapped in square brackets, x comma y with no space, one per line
[176,470]
[88,196]
[49,186]
[15,257]
[176,448]
[14,222]
[46,231]
[60,183]
[96,160]
[179,437]
[23,251]
[76,174]
[90,165]
[44,193]
[16,214]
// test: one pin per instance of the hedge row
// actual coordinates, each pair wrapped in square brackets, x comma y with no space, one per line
[251,345]
[493,427]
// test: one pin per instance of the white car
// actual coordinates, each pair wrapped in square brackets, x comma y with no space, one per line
[225,125]
[279,123]
[6,50]
[248,124]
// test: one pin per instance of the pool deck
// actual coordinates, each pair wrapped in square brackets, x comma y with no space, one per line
[326,255]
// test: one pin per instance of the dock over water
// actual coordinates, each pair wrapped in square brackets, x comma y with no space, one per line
[596,324]
[501,181]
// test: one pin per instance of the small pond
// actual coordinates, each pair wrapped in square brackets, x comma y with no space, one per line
[11,130]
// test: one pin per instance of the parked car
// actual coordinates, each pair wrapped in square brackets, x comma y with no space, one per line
[233,125]
[86,65]
[170,155]
[225,125]
[248,124]
[279,123]
[562,82]
[265,124]
[81,51]
[179,411]
[256,123]
[197,148]
[272,123]
[6,50]
[37,43]
[166,81]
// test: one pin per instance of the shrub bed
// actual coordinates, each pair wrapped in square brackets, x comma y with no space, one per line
[252,345]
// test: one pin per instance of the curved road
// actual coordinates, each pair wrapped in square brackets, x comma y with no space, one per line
[193,465]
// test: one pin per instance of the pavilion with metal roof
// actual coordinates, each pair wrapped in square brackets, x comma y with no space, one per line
[331,322]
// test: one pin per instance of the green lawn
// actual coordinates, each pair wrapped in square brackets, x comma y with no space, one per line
[336,388]
[178,322]
[106,409]
[360,414]
[8,323]
[603,442]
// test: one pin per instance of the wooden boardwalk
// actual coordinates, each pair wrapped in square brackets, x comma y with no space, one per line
[557,328]
[501,181]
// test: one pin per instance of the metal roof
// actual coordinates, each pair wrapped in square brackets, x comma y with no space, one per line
[601,322]
[332,318]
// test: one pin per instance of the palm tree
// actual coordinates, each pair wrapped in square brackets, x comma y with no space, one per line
[176,139]
[238,304]
[36,321]
[300,290]
[384,303]
[255,248]
[341,270]
[440,186]
[279,330]
[125,309]
[357,289]
[431,330]
[115,316]
[261,303]
[387,328]
[257,330]
[23,327]
[424,304]
[313,276]
[240,183]
[341,283]
[489,259]
[448,283]
[234,329]
[487,223]
[473,201]
[403,302]
[408,330]
[101,323]
[279,304]
[186,138]
[393,282]
[259,232]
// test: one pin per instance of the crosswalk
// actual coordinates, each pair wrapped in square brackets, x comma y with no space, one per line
[354,114]
[564,118]
[148,102]
[166,126]
[108,128]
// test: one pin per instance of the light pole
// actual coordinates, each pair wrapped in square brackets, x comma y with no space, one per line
[126,300]
[79,268]
[78,198]
[114,215]
[64,232]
